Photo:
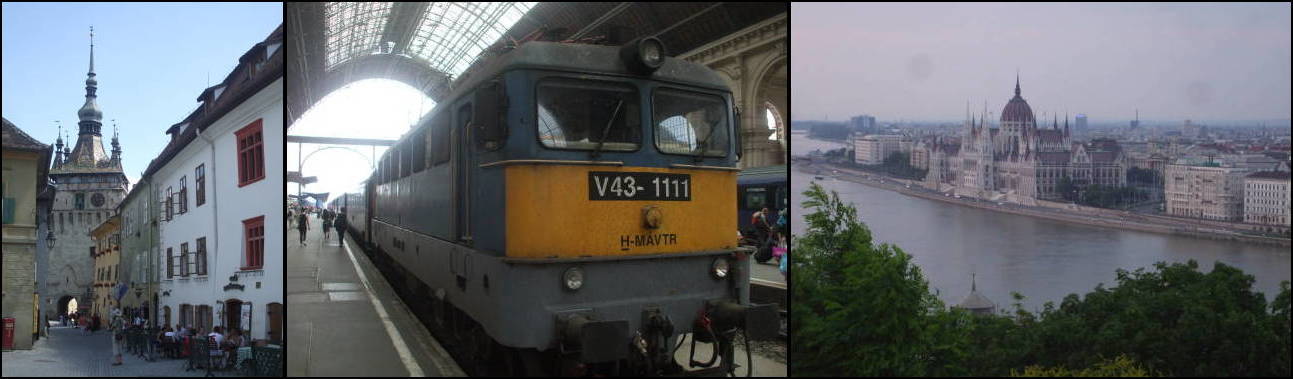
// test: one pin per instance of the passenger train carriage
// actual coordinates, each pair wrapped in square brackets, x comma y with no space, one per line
[573,204]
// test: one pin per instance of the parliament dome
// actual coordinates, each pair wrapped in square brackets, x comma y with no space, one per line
[1017,110]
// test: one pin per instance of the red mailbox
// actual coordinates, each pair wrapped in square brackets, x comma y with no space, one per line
[8,333]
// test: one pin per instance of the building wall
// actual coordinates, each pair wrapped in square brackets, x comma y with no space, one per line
[920,157]
[220,219]
[181,229]
[263,198]
[19,244]
[1266,201]
[873,149]
[1212,193]
[139,248]
[71,268]
[107,271]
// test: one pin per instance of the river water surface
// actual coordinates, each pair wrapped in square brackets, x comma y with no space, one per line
[1042,259]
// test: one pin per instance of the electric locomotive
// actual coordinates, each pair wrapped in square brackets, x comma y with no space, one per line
[567,208]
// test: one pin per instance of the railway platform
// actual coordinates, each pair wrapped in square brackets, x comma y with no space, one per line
[347,321]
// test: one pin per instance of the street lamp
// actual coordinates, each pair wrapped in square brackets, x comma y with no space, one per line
[49,239]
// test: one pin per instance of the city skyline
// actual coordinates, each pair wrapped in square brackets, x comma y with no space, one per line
[1206,62]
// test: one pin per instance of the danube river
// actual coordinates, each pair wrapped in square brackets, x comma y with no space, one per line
[1042,259]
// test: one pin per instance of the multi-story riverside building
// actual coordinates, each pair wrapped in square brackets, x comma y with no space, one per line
[1204,190]
[874,148]
[1266,200]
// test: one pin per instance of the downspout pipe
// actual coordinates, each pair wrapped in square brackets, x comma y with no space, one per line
[215,207]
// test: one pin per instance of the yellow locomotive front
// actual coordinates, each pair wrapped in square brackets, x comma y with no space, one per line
[571,211]
[592,193]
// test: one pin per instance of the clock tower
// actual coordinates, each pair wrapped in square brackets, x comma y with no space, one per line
[89,183]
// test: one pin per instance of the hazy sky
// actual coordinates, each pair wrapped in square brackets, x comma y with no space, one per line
[924,61]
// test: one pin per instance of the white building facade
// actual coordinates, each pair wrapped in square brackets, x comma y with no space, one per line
[1266,199]
[874,148]
[220,185]
[1209,192]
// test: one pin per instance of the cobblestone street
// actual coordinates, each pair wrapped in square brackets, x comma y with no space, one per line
[67,352]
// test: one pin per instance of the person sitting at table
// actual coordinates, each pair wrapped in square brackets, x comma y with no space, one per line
[232,343]
[219,342]
[168,341]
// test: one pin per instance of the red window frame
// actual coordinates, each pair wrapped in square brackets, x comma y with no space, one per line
[251,153]
[253,235]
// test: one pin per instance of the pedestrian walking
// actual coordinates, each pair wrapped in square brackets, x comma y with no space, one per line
[117,326]
[340,225]
[327,223]
[303,225]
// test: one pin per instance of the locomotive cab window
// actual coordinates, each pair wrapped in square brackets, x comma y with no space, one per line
[687,122]
[588,115]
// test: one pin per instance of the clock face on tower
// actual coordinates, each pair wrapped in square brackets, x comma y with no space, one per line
[97,200]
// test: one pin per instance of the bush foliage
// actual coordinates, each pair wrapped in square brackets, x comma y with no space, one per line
[865,309]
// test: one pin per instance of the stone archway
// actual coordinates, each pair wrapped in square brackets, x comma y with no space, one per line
[772,94]
[66,305]
[753,61]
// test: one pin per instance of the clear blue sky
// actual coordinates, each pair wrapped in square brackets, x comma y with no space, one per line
[151,60]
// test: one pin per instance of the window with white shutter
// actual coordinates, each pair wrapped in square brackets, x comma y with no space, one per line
[184,259]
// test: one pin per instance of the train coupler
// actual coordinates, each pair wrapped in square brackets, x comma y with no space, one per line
[594,340]
[760,321]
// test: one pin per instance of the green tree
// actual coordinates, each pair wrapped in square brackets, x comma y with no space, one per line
[1066,188]
[1121,367]
[863,309]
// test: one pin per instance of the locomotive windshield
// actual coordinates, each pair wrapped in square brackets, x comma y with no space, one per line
[583,114]
[687,122]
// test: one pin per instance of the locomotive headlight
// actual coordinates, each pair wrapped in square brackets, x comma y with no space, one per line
[720,268]
[644,55]
[652,52]
[573,278]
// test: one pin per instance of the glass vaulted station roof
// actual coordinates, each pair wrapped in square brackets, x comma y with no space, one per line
[448,36]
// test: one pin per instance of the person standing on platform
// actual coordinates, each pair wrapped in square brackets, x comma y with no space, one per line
[340,225]
[327,223]
[303,225]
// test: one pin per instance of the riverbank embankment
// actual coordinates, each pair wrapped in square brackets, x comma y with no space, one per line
[1125,221]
